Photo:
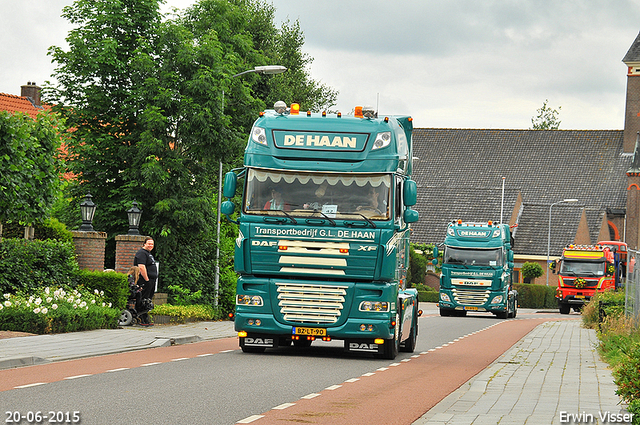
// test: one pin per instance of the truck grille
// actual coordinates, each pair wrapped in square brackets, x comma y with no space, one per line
[470,297]
[311,303]
[590,282]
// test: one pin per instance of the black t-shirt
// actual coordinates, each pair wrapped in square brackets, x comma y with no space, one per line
[144,257]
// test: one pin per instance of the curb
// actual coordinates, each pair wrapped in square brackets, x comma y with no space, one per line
[13,362]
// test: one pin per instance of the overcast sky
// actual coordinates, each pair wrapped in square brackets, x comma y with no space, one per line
[453,63]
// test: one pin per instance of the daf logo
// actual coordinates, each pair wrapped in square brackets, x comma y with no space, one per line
[264,243]
[367,248]
[361,346]
[259,341]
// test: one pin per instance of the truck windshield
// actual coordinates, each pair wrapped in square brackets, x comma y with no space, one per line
[334,195]
[582,268]
[473,257]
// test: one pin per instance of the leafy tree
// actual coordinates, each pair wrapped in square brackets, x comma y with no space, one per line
[547,118]
[155,108]
[29,166]
[531,270]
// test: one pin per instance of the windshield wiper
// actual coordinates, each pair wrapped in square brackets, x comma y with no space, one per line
[368,220]
[333,223]
[293,220]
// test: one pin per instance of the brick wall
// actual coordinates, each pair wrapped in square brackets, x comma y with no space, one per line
[126,248]
[631,119]
[90,249]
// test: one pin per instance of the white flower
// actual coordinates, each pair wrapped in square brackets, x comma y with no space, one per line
[70,300]
[7,303]
[109,304]
[102,293]
[93,301]
[46,290]
[7,296]
[95,291]
[83,304]
[103,305]
[36,310]
[38,301]
[75,306]
[45,310]
[86,308]
[49,299]
[1,307]
[54,306]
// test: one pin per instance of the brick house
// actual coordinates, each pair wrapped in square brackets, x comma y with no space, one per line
[460,176]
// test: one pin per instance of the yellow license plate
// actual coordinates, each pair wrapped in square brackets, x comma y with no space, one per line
[310,331]
[579,296]
[471,308]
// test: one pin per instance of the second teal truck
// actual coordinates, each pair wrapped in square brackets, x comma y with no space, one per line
[323,244]
[476,270]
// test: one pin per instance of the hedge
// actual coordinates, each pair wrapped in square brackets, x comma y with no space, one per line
[536,296]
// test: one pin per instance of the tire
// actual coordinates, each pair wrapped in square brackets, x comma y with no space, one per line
[391,346]
[564,308]
[409,345]
[125,318]
[445,312]
[502,315]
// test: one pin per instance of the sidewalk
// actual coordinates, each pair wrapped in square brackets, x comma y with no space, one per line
[38,349]
[547,377]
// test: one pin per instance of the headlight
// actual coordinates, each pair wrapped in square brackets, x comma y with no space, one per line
[259,135]
[497,299]
[249,300]
[374,306]
[445,297]
[450,231]
[496,233]
[382,140]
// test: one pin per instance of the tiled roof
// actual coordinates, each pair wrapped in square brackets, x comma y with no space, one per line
[633,54]
[459,175]
[13,103]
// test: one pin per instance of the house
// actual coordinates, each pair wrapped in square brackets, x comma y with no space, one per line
[28,101]
[523,177]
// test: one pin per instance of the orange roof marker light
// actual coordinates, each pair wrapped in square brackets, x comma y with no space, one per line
[295,109]
[358,112]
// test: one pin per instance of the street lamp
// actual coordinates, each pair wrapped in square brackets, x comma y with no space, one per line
[134,214]
[269,70]
[549,236]
[87,210]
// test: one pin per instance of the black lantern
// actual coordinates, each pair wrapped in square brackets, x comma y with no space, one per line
[134,219]
[87,209]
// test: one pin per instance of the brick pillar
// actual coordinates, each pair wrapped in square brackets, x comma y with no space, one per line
[126,248]
[90,249]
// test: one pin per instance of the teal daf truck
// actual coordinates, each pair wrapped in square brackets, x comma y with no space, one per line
[323,244]
[476,270]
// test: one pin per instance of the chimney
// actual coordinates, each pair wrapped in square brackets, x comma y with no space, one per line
[32,92]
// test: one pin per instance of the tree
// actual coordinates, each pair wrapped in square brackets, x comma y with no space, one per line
[547,118]
[155,108]
[29,166]
[531,270]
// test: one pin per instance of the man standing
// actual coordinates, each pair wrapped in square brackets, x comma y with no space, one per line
[148,274]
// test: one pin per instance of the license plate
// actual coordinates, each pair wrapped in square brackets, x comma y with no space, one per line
[310,331]
[579,296]
[471,308]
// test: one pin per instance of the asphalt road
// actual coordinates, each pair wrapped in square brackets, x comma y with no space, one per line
[213,382]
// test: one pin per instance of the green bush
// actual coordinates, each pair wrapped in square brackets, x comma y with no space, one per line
[535,296]
[62,309]
[531,270]
[182,312]
[28,265]
[601,305]
[113,285]
[51,228]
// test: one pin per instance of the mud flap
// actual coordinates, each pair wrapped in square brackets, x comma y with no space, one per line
[259,341]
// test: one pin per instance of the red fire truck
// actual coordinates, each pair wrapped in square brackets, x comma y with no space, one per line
[582,271]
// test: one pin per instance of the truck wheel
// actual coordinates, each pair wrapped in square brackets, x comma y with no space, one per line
[391,346]
[564,308]
[502,315]
[409,345]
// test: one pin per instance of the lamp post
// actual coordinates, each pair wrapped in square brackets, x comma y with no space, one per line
[134,214]
[87,210]
[269,70]
[549,235]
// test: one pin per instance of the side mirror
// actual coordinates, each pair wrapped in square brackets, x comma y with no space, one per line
[227,208]
[436,254]
[410,216]
[230,183]
[510,256]
[410,193]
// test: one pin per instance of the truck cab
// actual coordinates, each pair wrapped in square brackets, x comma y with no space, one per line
[476,270]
